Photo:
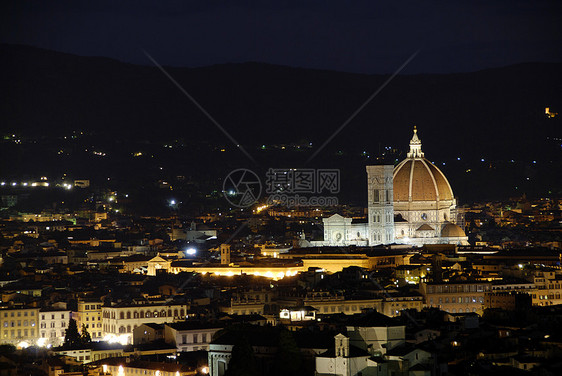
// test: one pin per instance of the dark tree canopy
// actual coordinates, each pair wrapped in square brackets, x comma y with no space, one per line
[72,337]
[288,360]
[85,336]
[243,361]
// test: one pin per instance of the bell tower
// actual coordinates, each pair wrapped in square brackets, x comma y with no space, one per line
[380,198]
[225,254]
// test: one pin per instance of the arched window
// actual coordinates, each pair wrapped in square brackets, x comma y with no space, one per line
[155,314]
[181,312]
[121,315]
[121,329]
[135,315]
[148,314]
[141,314]
[175,313]
[163,313]
[128,314]
[169,313]
[128,328]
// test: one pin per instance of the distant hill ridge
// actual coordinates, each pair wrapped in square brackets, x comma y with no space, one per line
[488,112]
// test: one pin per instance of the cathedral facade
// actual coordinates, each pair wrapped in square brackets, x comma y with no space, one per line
[412,203]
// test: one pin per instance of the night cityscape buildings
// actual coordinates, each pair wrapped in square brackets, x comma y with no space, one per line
[226,189]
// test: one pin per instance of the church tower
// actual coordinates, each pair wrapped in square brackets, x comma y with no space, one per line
[380,204]
[225,254]
[341,345]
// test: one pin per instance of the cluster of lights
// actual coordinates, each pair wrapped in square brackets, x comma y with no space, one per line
[99,153]
[261,208]
[268,274]
[122,339]
[25,184]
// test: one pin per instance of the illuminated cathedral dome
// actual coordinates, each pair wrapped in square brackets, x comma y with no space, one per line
[417,179]
[450,230]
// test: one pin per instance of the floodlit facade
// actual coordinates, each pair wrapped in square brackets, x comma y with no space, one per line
[88,313]
[456,297]
[188,336]
[52,327]
[412,203]
[19,326]
[120,321]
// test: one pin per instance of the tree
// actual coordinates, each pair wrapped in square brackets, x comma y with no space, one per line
[85,337]
[288,360]
[71,336]
[7,349]
[243,361]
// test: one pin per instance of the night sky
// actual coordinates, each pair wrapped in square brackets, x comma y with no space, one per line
[359,36]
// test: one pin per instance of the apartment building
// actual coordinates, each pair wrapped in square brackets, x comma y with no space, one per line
[190,336]
[548,289]
[88,313]
[455,297]
[119,321]
[52,326]
[19,326]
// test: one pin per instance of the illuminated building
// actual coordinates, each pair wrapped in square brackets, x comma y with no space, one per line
[455,297]
[52,326]
[412,203]
[92,352]
[119,321]
[548,289]
[122,367]
[190,336]
[327,303]
[335,259]
[393,304]
[88,313]
[305,313]
[253,300]
[275,271]
[19,326]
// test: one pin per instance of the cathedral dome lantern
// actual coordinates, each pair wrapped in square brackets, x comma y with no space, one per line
[415,146]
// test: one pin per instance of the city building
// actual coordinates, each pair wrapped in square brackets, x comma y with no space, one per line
[190,336]
[52,326]
[120,320]
[20,326]
[452,297]
[88,314]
